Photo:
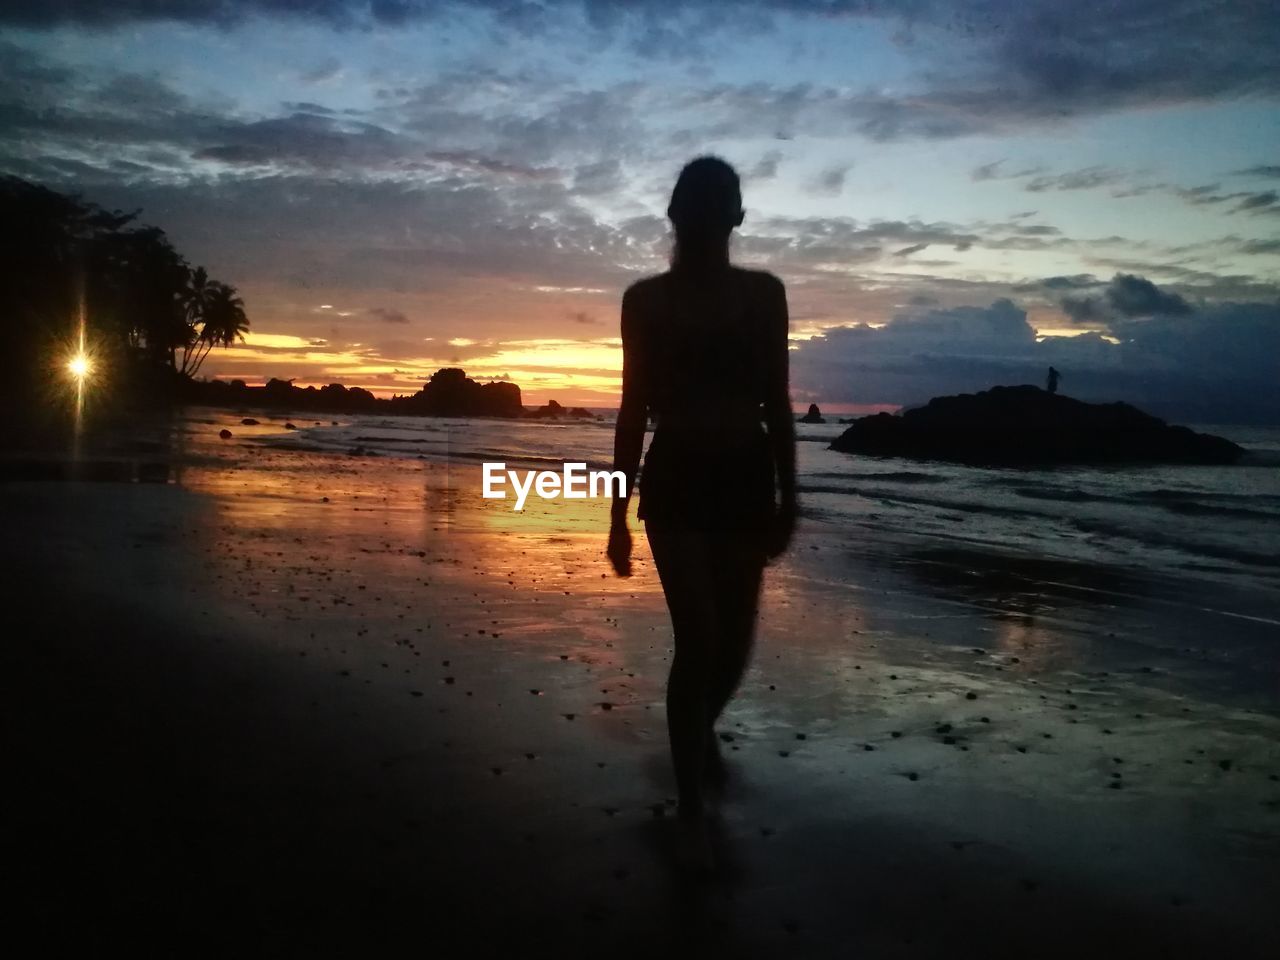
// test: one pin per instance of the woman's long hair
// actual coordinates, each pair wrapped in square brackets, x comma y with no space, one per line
[706,205]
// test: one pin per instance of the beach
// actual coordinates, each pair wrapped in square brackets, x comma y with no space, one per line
[272,697]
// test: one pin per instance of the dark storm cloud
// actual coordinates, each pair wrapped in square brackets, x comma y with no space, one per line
[914,356]
[1125,296]
[387,315]
[1084,310]
[1133,296]
[1201,284]
[1260,246]
[1212,362]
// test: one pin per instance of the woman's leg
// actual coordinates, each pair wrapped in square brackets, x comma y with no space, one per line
[739,571]
[686,567]
[739,565]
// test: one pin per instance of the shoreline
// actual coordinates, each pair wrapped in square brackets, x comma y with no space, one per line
[252,713]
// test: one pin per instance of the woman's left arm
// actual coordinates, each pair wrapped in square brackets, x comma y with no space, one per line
[779,417]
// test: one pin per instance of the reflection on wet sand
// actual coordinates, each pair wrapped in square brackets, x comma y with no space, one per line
[464,686]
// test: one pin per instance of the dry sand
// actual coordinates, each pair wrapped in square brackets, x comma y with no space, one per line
[294,703]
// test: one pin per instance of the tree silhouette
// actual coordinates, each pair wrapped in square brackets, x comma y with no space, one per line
[63,258]
[222,322]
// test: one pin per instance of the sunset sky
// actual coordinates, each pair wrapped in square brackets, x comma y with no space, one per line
[955,193]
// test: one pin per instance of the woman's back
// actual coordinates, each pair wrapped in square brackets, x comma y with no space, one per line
[704,344]
[704,357]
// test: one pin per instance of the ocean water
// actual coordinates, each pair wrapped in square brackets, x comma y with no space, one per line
[1211,522]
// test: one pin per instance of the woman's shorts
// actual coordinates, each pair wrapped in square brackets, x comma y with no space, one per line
[708,485]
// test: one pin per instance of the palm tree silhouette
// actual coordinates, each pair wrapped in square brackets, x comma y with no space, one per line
[223,320]
[195,305]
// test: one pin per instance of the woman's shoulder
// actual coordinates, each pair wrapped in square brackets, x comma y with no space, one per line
[639,303]
[644,288]
[761,283]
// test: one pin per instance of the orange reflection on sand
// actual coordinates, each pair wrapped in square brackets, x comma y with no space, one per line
[366,515]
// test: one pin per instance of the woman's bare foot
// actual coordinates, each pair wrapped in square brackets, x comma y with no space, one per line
[715,772]
[693,844]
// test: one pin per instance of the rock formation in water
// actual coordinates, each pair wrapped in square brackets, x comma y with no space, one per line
[554,411]
[449,393]
[813,416]
[1028,425]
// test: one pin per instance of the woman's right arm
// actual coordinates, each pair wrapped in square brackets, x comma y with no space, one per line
[628,437]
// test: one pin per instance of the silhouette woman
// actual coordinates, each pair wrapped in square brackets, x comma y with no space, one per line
[705,354]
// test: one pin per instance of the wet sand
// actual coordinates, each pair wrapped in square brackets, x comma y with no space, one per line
[293,702]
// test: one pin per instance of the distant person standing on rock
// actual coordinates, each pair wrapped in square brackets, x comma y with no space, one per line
[704,350]
[1054,377]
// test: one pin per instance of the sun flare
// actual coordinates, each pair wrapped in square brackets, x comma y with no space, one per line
[80,366]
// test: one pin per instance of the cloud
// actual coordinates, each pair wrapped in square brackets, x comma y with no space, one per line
[803,243]
[1267,171]
[986,171]
[995,171]
[1074,282]
[593,179]
[766,168]
[1038,180]
[503,178]
[1259,201]
[1034,58]
[327,69]
[1214,364]
[1010,62]
[1250,201]
[387,315]
[1125,296]
[1085,179]
[829,182]
[1132,296]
